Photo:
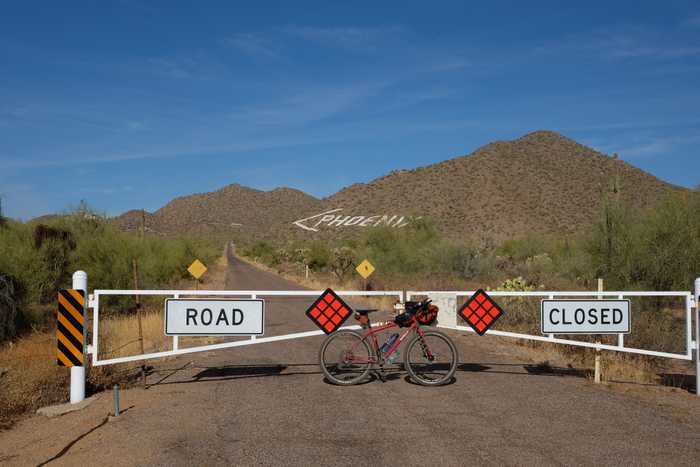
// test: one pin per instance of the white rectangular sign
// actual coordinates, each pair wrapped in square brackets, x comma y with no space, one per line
[214,317]
[586,316]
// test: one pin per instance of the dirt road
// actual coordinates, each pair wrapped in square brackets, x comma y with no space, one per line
[267,404]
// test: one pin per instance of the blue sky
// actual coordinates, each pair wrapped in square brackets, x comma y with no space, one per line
[127,104]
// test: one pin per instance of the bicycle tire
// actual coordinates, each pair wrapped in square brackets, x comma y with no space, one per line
[418,377]
[364,369]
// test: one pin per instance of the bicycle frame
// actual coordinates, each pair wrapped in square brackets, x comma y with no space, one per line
[370,336]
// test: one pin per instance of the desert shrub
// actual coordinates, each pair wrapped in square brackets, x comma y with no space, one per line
[658,249]
[9,314]
[521,313]
[342,261]
[261,251]
[668,256]
[520,249]
[571,262]
[612,243]
[466,261]
[88,242]
[318,256]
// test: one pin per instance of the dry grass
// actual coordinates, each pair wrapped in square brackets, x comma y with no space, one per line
[29,376]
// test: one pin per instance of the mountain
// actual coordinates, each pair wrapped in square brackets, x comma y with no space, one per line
[542,182]
[234,208]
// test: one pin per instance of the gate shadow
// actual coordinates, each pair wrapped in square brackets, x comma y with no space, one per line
[539,369]
[679,380]
[545,369]
[232,372]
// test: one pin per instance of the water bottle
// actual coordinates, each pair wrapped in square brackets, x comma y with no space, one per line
[393,357]
[388,343]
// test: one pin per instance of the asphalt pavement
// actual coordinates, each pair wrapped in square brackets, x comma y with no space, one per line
[267,404]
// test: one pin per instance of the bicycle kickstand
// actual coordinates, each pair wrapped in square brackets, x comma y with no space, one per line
[380,373]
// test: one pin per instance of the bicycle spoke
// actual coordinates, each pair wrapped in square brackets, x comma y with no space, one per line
[345,358]
[432,359]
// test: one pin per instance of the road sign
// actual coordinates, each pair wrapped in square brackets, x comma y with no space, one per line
[69,327]
[586,317]
[214,317]
[197,269]
[365,269]
[329,311]
[480,312]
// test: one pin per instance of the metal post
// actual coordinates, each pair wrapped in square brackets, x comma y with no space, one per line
[597,378]
[116,400]
[77,373]
[697,336]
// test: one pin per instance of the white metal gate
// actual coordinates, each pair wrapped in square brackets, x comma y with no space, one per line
[80,282]
[690,344]
[94,303]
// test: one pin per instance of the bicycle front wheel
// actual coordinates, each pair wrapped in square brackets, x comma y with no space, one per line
[431,360]
[345,358]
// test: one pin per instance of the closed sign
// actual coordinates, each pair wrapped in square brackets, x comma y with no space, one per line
[585,316]
[214,317]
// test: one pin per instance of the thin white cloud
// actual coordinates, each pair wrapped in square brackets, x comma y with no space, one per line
[312,104]
[195,149]
[136,125]
[649,147]
[694,21]
[350,38]
[107,190]
[255,45]
[635,43]
[174,68]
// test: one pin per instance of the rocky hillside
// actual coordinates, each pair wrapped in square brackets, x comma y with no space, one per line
[234,208]
[542,182]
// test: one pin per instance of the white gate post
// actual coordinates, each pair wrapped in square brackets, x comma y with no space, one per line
[77,373]
[697,336]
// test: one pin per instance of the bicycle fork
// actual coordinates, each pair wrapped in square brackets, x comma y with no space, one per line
[424,347]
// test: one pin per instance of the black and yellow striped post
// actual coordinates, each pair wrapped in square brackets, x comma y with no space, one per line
[69,327]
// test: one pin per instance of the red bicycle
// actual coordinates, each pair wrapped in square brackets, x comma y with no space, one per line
[430,357]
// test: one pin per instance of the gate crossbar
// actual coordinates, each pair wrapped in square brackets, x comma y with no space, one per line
[620,347]
[94,303]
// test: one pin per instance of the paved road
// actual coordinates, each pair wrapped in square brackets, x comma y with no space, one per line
[268,405]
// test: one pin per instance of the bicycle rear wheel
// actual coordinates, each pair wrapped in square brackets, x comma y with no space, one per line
[431,360]
[345,358]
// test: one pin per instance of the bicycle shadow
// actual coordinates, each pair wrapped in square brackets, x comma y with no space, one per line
[390,374]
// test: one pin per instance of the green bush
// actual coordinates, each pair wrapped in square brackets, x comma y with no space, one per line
[96,247]
[658,249]
[261,251]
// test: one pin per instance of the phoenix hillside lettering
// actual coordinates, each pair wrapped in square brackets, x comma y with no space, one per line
[332,219]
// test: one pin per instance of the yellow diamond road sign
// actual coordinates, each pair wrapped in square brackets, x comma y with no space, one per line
[365,269]
[197,269]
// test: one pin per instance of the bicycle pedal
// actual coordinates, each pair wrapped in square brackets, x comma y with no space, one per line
[380,374]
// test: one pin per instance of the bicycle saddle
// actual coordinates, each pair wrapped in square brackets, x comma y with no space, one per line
[364,312]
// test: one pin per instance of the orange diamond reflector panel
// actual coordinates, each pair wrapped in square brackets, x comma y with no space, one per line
[329,311]
[480,312]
